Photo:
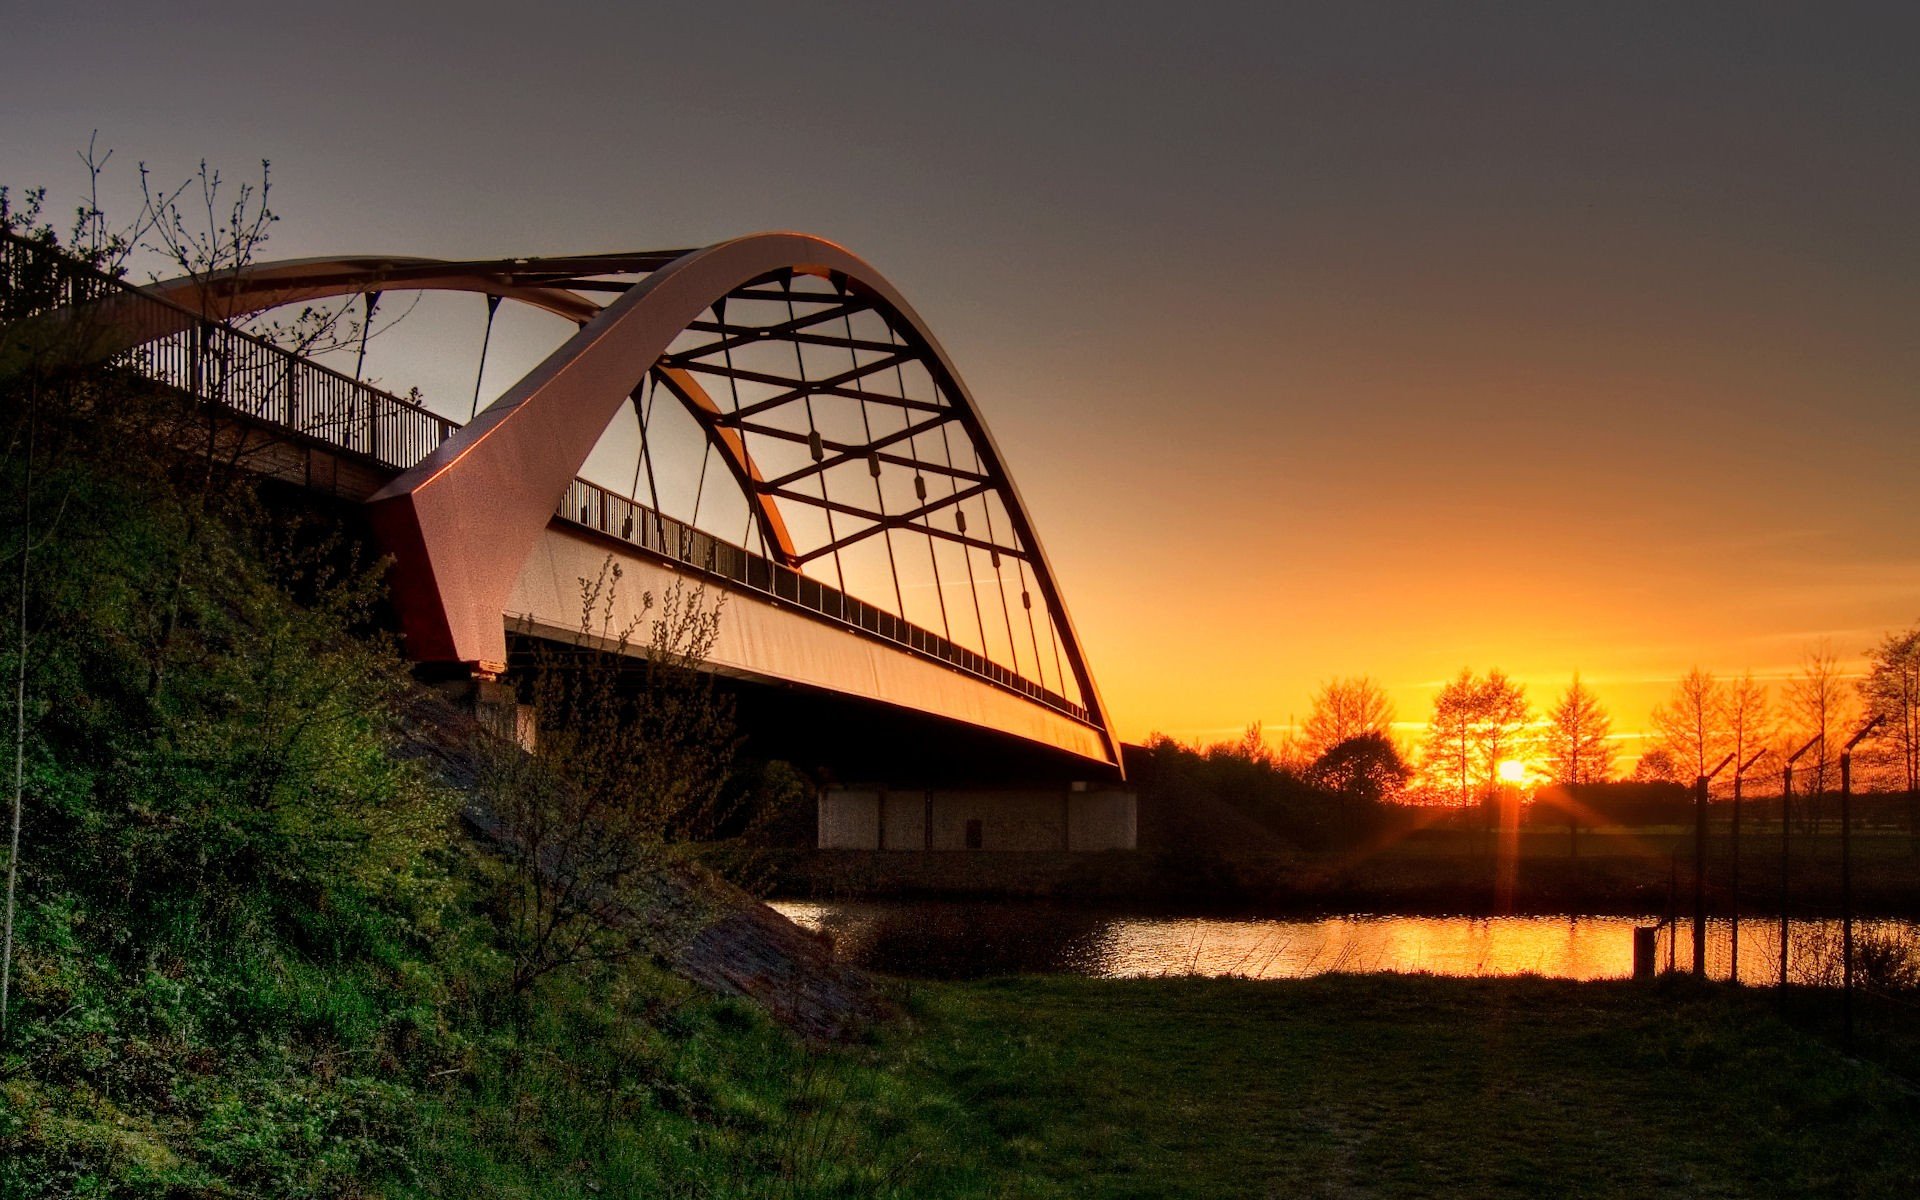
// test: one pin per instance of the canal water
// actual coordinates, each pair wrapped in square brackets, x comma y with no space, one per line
[960,940]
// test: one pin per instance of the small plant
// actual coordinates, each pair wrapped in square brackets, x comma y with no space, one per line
[633,754]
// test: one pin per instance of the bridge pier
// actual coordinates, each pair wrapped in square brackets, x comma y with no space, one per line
[497,707]
[1073,817]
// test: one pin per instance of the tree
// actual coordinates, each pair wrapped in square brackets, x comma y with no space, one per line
[1578,749]
[1254,748]
[40,394]
[1448,758]
[1363,771]
[624,767]
[1748,718]
[1477,724]
[1501,729]
[1691,723]
[1657,766]
[1818,708]
[1891,691]
[213,240]
[1345,709]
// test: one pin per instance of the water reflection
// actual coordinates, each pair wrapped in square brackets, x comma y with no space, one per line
[955,940]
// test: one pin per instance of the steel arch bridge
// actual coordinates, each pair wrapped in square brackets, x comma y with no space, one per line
[885,552]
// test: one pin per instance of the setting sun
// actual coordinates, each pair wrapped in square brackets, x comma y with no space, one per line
[1513,771]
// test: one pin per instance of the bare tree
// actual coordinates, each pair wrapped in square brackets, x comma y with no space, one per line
[1579,749]
[1819,708]
[1501,731]
[211,234]
[1448,759]
[1891,691]
[633,754]
[1579,737]
[1253,746]
[1747,714]
[1345,709]
[1692,723]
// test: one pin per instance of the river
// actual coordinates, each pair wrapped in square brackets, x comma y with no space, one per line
[958,940]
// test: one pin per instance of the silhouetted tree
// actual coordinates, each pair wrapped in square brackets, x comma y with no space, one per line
[1691,723]
[1450,736]
[1748,716]
[1891,691]
[1500,734]
[1362,771]
[1345,709]
[1657,766]
[1579,749]
[1819,708]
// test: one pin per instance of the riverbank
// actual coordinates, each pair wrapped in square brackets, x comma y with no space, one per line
[1434,871]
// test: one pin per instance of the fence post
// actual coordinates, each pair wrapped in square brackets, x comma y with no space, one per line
[1786,839]
[1846,893]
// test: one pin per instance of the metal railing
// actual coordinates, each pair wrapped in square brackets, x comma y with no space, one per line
[593,507]
[217,364]
[171,345]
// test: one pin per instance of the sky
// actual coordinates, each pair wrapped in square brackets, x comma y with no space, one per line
[1321,340]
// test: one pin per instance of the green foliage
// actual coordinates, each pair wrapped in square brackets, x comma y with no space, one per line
[632,757]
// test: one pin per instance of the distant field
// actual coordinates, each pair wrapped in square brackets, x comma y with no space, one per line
[1388,1086]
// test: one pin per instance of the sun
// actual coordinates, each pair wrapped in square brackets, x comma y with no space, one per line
[1513,771]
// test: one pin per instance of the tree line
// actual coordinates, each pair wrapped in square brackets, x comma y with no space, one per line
[1481,722]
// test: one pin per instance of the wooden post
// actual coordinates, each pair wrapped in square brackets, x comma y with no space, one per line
[1733,888]
[1645,943]
[1846,892]
[1700,877]
[1786,839]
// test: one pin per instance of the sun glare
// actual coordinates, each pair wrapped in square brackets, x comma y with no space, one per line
[1513,771]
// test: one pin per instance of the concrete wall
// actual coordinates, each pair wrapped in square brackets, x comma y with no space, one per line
[1103,820]
[903,820]
[1030,819]
[850,819]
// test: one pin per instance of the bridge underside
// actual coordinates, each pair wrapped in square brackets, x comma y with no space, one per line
[840,739]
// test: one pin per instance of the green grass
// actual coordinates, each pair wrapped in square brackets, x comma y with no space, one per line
[1068,1087]
[1397,1086]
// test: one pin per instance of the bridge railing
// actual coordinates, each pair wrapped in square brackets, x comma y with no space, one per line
[174,346]
[596,508]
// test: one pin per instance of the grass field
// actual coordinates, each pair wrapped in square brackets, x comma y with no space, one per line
[1393,1086]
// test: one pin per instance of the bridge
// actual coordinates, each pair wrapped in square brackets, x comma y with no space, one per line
[879,567]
